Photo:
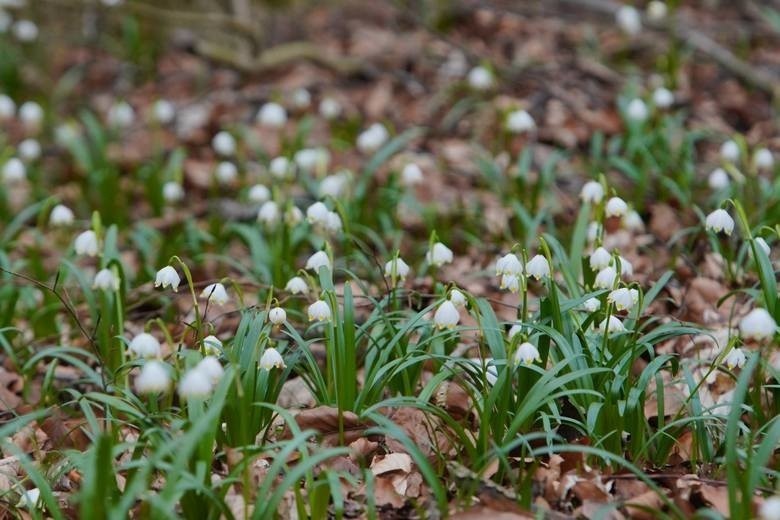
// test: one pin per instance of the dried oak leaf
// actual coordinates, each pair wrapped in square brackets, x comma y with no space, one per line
[64,432]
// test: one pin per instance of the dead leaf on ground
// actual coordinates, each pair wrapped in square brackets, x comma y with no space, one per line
[325,420]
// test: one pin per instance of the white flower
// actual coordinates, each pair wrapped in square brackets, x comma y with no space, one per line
[663,97]
[605,278]
[593,231]
[729,151]
[195,384]
[333,185]
[167,276]
[301,99]
[616,207]
[633,221]
[293,216]
[106,280]
[457,298]
[277,316]
[66,133]
[372,139]
[14,171]
[145,345]
[636,110]
[121,115]
[538,267]
[271,359]
[319,311]
[758,324]
[760,242]
[317,260]
[153,378]
[763,159]
[269,213]
[446,316]
[519,122]
[591,305]
[719,221]
[735,358]
[330,108]
[296,285]
[480,78]
[312,160]
[280,167]
[30,498]
[612,324]
[86,243]
[411,175]
[29,150]
[61,215]
[526,354]
[31,114]
[624,298]
[212,345]
[215,293]
[25,31]
[224,144]
[172,192]
[398,267]
[626,267]
[514,330]
[164,111]
[317,214]
[439,255]
[509,264]
[259,193]
[510,282]
[629,20]
[272,115]
[656,10]
[7,107]
[592,192]
[770,508]
[226,172]
[599,259]
[334,222]
[718,179]
[211,366]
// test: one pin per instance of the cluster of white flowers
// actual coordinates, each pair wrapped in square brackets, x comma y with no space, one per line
[319,216]
[199,382]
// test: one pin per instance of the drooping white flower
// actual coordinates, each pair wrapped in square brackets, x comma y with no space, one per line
[729,151]
[330,108]
[763,159]
[656,10]
[633,221]
[269,213]
[398,267]
[271,358]
[371,139]
[317,214]
[61,215]
[718,179]
[758,324]
[7,107]
[623,298]
[195,384]
[280,167]
[334,223]
[86,243]
[300,98]
[172,192]
[538,267]
[293,216]
[599,259]
[510,282]
[457,298]
[514,330]
[259,194]
[446,315]
[629,20]
[519,122]
[31,115]
[211,366]
[719,221]
[663,98]
[526,354]
[735,358]
[226,173]
[277,316]
[145,345]
[312,160]
[439,255]
[411,175]
[593,231]
[760,242]
[296,285]
[626,267]
[480,78]
[164,111]
[605,278]
[167,276]
[509,264]
[215,293]
[636,111]
[616,207]
[317,260]
[612,324]
[334,185]
[29,150]
[224,144]
[212,345]
[14,171]
[29,499]
[770,509]
[106,280]
[272,115]
[153,378]
[25,31]
[591,305]
[319,311]
[592,192]
[121,115]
